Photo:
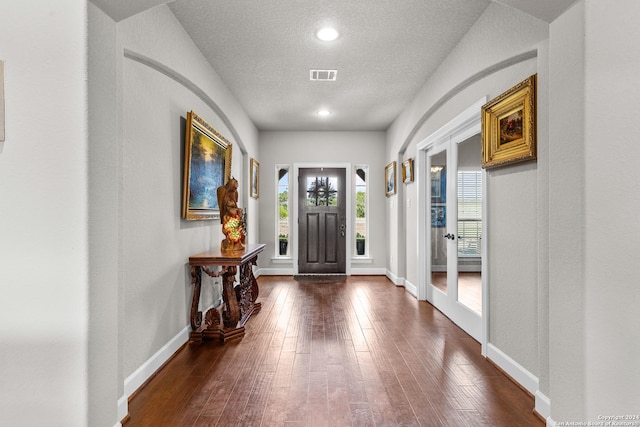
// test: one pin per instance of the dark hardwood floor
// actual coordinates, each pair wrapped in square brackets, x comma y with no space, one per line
[359,353]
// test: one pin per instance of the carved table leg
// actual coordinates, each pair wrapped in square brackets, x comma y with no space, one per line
[196,315]
[231,313]
[247,291]
[254,284]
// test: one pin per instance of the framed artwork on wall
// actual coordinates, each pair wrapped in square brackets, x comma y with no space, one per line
[207,166]
[509,126]
[390,179]
[407,171]
[254,191]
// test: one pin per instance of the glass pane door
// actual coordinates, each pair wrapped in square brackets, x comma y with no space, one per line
[439,235]
[469,227]
[455,201]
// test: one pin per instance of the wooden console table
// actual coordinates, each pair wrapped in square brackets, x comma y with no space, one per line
[239,302]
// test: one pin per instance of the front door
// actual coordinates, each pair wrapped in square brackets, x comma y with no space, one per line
[322,220]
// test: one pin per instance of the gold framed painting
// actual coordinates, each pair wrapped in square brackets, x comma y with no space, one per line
[407,171]
[509,126]
[254,191]
[390,179]
[207,166]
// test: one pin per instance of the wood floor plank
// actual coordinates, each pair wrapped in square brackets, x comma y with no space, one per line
[382,409]
[318,415]
[298,399]
[361,415]
[402,410]
[257,401]
[275,411]
[358,353]
[338,396]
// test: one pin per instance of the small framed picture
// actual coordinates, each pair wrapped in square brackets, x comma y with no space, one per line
[255,179]
[390,179]
[407,171]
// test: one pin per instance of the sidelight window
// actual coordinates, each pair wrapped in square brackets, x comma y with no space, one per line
[361,228]
[283,220]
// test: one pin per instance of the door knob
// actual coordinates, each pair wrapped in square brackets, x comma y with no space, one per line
[449,236]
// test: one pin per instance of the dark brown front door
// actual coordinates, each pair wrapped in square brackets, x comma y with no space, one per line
[322,220]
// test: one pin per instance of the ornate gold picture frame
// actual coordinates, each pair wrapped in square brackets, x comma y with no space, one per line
[254,191]
[407,171]
[207,166]
[390,179]
[509,126]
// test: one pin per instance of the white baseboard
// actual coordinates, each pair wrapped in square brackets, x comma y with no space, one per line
[123,409]
[543,405]
[148,368]
[289,272]
[411,288]
[274,272]
[525,378]
[368,271]
[398,281]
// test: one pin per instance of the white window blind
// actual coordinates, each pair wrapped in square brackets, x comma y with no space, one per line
[469,213]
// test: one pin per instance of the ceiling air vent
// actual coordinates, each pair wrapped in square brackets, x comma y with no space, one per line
[323,75]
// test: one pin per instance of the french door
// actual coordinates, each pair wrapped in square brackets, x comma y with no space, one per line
[455,198]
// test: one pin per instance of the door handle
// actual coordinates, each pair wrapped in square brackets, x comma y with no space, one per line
[449,236]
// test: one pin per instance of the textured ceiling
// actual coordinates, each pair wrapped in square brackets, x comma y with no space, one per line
[263,51]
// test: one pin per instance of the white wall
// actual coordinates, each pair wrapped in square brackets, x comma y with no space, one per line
[566,229]
[612,288]
[593,286]
[43,215]
[105,316]
[357,148]
[503,48]
[163,77]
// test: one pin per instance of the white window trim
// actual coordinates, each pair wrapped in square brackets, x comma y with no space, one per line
[354,255]
[276,253]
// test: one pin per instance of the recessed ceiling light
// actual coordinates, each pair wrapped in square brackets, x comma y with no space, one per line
[327,34]
[324,113]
